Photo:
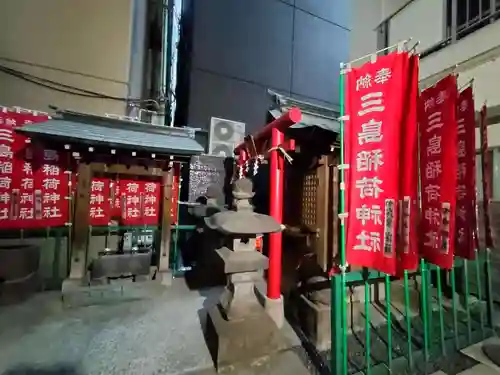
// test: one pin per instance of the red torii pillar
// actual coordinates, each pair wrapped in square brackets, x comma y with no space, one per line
[275,131]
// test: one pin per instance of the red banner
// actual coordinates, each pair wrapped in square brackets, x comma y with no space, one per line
[115,199]
[347,148]
[408,204]
[132,196]
[51,186]
[174,214]
[485,167]
[134,202]
[151,203]
[33,181]
[29,208]
[466,177]
[373,141]
[99,202]
[438,165]
[7,152]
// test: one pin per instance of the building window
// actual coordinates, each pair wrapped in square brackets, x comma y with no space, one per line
[383,35]
[470,15]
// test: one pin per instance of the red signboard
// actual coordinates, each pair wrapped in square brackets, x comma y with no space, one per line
[408,203]
[99,202]
[438,165]
[485,167]
[466,177]
[375,104]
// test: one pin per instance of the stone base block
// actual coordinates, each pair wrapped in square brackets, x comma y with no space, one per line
[242,261]
[237,342]
[273,307]
[377,292]
[492,351]
[116,265]
[21,290]
[315,322]
[286,363]
[75,293]
[164,278]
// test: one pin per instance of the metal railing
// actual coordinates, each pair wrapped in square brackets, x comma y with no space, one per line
[418,323]
[56,246]
[454,310]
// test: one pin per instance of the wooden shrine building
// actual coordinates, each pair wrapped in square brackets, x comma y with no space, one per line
[123,177]
[310,196]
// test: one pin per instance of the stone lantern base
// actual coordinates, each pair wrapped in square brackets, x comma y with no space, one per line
[243,341]
[239,331]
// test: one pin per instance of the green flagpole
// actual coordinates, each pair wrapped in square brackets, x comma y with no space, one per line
[343,305]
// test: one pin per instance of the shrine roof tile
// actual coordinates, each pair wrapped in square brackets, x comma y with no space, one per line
[313,114]
[136,137]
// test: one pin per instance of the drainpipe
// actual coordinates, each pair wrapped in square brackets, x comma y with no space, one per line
[166,60]
[139,13]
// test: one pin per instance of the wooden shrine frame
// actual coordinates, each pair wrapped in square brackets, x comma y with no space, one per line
[80,251]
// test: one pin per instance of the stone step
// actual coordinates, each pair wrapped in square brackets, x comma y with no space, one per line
[480,369]
[377,293]
[76,295]
[286,362]
[476,352]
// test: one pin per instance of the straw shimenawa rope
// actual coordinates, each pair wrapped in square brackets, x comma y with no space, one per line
[283,151]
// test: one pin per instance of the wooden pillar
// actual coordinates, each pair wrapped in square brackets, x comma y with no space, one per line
[166,221]
[322,203]
[334,207]
[78,263]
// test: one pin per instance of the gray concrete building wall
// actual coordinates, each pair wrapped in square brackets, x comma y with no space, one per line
[86,44]
[233,51]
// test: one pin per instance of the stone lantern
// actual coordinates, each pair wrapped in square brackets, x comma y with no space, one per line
[239,330]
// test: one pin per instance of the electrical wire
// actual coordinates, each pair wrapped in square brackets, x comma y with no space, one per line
[67,89]
[169,95]
[55,88]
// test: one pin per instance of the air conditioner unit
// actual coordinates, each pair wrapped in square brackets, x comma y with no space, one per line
[224,136]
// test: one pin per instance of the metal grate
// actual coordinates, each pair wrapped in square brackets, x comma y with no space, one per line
[309,197]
